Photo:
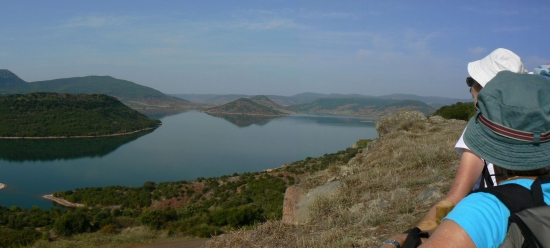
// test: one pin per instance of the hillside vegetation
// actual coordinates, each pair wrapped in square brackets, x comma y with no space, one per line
[122,215]
[65,115]
[460,111]
[136,96]
[383,190]
[361,106]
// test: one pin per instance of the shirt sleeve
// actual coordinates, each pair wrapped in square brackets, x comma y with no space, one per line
[460,145]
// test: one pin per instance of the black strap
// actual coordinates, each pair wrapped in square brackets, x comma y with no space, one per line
[514,196]
[413,239]
[486,178]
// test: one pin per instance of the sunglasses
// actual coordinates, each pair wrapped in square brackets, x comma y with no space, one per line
[470,81]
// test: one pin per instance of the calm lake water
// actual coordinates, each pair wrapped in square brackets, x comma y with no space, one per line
[187,146]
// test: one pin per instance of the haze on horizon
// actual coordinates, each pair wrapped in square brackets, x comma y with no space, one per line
[276,47]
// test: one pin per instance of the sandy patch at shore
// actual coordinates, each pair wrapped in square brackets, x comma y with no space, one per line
[62,201]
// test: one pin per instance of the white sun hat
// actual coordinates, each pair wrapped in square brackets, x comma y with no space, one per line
[501,59]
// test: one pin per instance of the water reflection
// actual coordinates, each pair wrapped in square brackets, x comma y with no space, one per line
[20,150]
[245,120]
[160,113]
[329,120]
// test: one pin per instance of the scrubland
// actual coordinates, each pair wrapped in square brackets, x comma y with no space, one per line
[385,189]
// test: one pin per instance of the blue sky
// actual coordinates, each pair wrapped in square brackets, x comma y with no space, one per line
[270,47]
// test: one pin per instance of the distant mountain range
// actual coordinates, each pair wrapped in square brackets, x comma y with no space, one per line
[148,100]
[361,106]
[213,99]
[136,96]
[263,106]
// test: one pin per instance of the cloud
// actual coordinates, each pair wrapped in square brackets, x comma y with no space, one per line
[362,53]
[510,29]
[96,21]
[268,24]
[327,15]
[492,11]
[477,50]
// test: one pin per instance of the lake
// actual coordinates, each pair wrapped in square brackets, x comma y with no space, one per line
[187,146]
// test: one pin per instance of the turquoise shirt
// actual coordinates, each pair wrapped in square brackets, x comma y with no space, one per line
[485,218]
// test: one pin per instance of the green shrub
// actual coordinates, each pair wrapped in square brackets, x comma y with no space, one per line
[460,111]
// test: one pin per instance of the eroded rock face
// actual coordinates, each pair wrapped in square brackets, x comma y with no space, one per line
[297,202]
[386,124]
[293,195]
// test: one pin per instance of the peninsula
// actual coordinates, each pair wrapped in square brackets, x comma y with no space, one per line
[54,115]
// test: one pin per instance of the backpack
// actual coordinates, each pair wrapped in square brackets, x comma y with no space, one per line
[529,222]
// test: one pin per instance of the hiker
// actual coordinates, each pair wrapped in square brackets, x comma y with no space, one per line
[543,70]
[472,167]
[469,175]
[512,129]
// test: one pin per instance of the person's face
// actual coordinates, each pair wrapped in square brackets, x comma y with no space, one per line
[475,87]
[475,91]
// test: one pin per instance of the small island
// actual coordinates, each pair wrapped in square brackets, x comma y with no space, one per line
[2,185]
[54,115]
[257,105]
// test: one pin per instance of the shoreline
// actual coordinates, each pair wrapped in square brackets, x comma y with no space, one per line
[62,201]
[2,186]
[76,137]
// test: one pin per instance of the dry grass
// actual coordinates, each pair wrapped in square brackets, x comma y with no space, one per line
[379,196]
[129,236]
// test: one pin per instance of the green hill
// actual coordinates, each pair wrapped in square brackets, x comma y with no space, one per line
[136,96]
[11,83]
[265,101]
[245,106]
[65,115]
[360,106]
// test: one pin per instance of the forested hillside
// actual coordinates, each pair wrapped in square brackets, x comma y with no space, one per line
[361,106]
[65,115]
[136,96]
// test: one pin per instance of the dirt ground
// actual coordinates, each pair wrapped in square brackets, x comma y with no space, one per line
[173,244]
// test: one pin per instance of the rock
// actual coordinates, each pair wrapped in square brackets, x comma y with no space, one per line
[429,195]
[296,204]
[293,195]
[436,119]
[386,124]
[357,207]
[378,203]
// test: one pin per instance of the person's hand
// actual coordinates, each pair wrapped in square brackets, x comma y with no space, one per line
[399,238]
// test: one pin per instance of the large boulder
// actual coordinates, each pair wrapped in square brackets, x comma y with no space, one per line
[297,203]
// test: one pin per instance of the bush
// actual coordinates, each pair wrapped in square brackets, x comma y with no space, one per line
[16,238]
[72,223]
[460,111]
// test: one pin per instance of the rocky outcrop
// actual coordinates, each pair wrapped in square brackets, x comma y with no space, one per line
[296,206]
[386,124]
[293,195]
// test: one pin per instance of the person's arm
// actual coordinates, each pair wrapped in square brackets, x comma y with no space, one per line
[449,234]
[467,174]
